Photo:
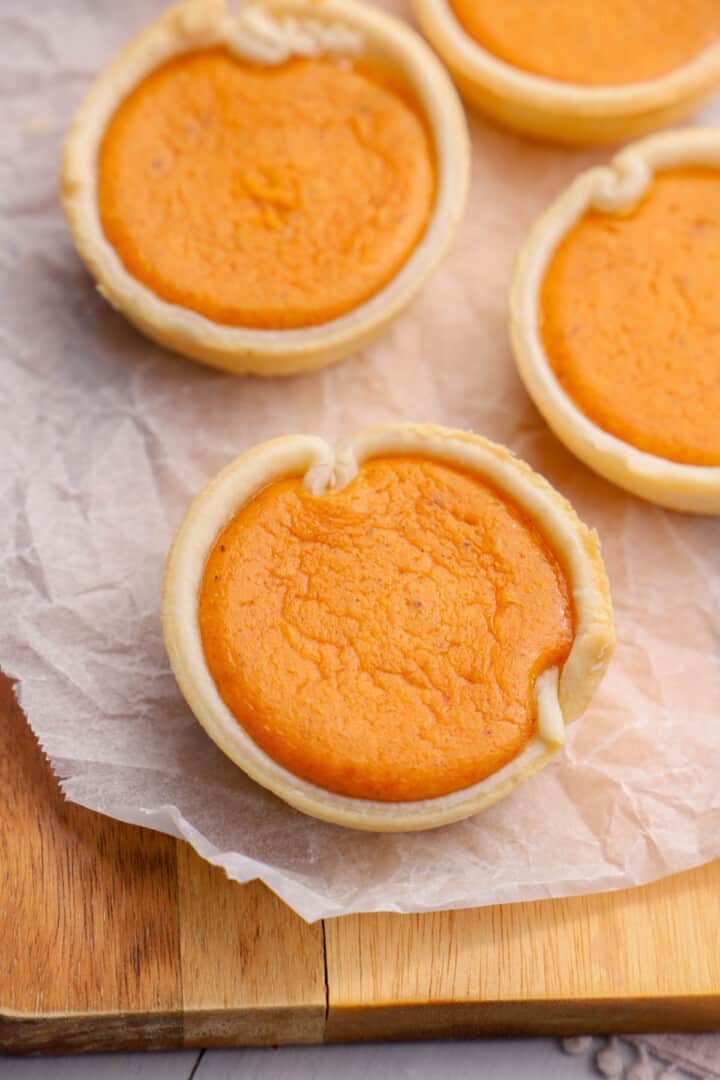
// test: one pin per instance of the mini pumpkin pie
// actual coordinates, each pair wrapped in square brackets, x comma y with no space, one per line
[263,191]
[615,319]
[579,71]
[391,636]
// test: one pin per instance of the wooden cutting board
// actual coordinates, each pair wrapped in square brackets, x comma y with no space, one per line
[116,937]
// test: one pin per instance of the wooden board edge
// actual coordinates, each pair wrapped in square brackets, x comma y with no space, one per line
[89,1032]
[277,1025]
[462,1020]
[74,1033]
[93,1032]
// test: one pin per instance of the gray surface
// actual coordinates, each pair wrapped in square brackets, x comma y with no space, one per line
[164,1066]
[491,1059]
[539,1059]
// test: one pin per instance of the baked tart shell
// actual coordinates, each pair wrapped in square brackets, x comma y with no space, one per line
[561,695]
[382,41]
[614,188]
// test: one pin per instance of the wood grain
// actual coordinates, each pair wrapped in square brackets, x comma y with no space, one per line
[641,958]
[117,937]
[88,914]
[112,937]
[252,972]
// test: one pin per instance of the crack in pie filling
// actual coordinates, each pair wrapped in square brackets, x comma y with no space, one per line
[403,620]
[264,190]
[616,319]
[579,70]
[391,637]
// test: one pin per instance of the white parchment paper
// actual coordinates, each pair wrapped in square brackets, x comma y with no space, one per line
[105,438]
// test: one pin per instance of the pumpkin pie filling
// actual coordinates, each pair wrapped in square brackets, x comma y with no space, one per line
[591,43]
[268,197]
[383,641]
[630,317]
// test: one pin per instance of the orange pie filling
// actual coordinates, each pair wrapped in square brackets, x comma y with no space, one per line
[266,197]
[383,641]
[592,42]
[630,318]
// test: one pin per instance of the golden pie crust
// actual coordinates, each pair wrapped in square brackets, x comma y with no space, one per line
[560,695]
[561,111]
[267,32]
[614,188]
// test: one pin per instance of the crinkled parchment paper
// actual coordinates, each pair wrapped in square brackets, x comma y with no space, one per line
[105,438]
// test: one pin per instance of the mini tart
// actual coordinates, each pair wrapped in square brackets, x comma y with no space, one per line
[295,661]
[544,105]
[620,189]
[268,34]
